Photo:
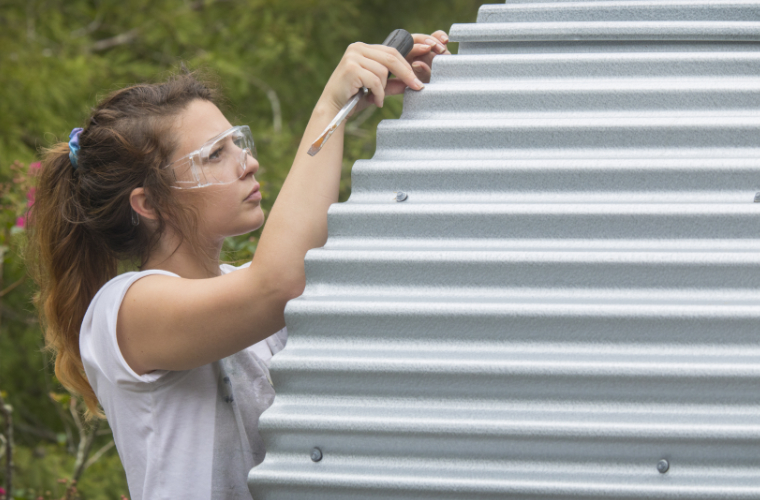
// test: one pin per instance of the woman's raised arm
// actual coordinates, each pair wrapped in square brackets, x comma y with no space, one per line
[205,320]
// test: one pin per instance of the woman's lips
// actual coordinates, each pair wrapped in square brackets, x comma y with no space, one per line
[255,194]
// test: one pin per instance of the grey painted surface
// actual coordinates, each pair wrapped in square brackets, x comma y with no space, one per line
[622,11]
[569,294]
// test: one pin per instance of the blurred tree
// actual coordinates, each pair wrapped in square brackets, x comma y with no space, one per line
[57,57]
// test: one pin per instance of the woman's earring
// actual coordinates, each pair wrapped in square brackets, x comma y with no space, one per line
[135,218]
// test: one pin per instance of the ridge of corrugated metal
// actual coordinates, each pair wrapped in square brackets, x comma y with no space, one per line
[569,294]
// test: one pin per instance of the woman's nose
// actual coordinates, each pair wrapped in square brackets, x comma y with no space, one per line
[251,164]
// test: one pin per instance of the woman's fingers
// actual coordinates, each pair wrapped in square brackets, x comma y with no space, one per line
[435,41]
[426,47]
[441,39]
[422,70]
[419,50]
[368,66]
[375,67]
[395,87]
[375,85]
[393,62]
[442,36]
[381,72]
[427,60]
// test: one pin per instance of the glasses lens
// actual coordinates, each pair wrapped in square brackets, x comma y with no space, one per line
[187,174]
[222,160]
[225,159]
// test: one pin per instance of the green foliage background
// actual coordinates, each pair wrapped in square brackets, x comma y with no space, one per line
[57,57]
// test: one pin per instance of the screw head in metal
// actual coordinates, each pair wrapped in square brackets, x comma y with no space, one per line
[316,455]
[757,197]
[401,196]
[663,466]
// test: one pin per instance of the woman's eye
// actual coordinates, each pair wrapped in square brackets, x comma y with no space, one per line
[216,154]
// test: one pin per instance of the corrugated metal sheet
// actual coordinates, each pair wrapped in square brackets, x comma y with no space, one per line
[569,294]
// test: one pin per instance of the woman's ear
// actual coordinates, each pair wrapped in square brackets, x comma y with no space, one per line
[139,203]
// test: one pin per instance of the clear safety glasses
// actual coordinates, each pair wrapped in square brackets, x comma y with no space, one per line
[221,160]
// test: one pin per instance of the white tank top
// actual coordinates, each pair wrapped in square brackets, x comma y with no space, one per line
[189,434]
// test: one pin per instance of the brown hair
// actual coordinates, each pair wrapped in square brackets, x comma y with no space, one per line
[81,222]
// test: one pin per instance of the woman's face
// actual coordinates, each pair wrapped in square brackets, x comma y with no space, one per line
[224,209]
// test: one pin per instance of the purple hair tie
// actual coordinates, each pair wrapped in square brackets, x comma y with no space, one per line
[74,146]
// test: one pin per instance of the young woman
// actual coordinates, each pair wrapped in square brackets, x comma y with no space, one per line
[177,354]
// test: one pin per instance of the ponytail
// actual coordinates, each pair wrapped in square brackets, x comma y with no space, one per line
[70,267]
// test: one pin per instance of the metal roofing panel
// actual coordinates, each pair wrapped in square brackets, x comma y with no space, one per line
[721,31]
[567,294]
[621,10]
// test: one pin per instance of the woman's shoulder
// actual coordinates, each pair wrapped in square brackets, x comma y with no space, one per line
[112,293]
[97,336]
[116,287]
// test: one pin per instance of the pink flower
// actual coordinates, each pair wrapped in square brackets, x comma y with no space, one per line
[34,169]
[2,490]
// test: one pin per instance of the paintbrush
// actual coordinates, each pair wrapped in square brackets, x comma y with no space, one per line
[399,39]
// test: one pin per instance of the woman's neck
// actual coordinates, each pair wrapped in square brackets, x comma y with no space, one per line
[180,258]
